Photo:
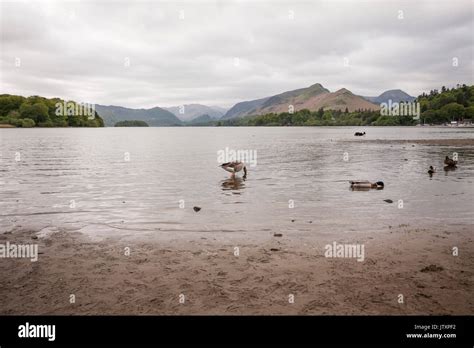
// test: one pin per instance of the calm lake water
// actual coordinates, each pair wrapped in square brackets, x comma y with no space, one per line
[80,179]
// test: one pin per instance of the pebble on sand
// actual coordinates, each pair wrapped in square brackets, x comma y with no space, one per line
[432,268]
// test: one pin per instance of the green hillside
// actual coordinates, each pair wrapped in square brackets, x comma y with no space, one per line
[447,105]
[37,111]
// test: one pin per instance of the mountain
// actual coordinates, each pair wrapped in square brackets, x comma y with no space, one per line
[243,108]
[154,117]
[313,98]
[396,95]
[201,120]
[192,111]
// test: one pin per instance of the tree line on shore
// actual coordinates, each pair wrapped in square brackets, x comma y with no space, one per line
[446,105]
[133,123]
[38,111]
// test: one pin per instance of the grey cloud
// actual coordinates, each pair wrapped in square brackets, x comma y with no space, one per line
[77,50]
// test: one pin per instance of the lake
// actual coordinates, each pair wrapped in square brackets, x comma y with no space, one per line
[122,181]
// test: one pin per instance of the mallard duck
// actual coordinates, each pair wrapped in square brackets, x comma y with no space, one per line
[431,170]
[379,185]
[450,162]
[234,167]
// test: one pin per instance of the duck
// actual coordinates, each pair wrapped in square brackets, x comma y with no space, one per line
[359,134]
[234,167]
[379,185]
[450,162]
[431,170]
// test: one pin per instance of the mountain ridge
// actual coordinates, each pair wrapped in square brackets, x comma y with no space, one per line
[313,98]
[189,112]
[395,95]
[155,116]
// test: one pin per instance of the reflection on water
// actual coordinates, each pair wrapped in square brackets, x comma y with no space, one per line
[449,169]
[234,183]
[352,188]
[78,179]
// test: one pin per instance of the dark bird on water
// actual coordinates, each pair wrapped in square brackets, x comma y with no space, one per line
[450,162]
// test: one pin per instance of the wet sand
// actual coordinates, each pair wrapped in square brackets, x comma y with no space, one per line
[417,263]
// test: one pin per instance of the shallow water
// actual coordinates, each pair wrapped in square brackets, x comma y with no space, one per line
[305,165]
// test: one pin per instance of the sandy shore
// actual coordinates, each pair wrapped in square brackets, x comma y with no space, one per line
[204,268]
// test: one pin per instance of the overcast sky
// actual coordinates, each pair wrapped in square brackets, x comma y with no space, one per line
[151,53]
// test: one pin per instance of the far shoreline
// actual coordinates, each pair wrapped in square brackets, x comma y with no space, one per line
[9,126]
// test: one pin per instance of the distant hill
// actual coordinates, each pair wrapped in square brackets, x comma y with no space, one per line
[202,120]
[243,108]
[154,117]
[312,98]
[443,106]
[193,111]
[396,95]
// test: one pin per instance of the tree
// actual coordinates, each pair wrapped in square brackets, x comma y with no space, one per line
[320,113]
[9,103]
[429,116]
[452,111]
[27,123]
[38,112]
[469,112]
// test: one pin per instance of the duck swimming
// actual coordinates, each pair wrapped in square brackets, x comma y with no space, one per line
[431,170]
[379,185]
[450,162]
[234,167]
[359,134]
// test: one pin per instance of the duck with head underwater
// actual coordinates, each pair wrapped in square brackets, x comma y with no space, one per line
[379,185]
[234,167]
